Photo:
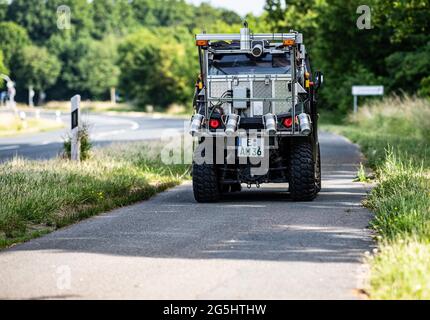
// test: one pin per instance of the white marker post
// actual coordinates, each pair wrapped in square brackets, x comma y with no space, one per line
[365,91]
[58,116]
[23,118]
[76,143]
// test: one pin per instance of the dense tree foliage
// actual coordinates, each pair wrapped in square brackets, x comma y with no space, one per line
[40,18]
[112,17]
[146,47]
[154,39]
[37,68]
[13,39]
[158,72]
[3,9]
[394,52]
[99,67]
[3,69]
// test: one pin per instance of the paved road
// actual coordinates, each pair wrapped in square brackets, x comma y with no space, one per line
[256,245]
[104,130]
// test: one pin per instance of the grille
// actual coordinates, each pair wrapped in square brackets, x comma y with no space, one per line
[281,92]
[217,88]
[263,90]
[278,88]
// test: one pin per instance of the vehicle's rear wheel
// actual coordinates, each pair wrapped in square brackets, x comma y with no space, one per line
[318,170]
[206,184]
[303,185]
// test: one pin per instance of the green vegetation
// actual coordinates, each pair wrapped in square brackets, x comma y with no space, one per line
[394,52]
[13,39]
[38,68]
[145,48]
[173,63]
[86,145]
[394,135]
[41,196]
[3,69]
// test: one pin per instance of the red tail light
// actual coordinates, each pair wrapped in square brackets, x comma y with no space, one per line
[288,122]
[214,123]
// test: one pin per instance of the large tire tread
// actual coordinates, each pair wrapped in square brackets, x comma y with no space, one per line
[303,186]
[205,183]
[319,170]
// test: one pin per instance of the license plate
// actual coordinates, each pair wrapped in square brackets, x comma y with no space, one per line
[251,147]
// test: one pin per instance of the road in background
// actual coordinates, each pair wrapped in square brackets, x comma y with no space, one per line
[104,129]
[254,245]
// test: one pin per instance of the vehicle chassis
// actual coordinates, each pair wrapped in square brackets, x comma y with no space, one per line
[280,144]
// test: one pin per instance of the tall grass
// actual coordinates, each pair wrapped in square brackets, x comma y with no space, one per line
[399,115]
[394,134]
[40,196]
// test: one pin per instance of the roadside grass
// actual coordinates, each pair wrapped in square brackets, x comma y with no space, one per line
[38,197]
[11,125]
[394,135]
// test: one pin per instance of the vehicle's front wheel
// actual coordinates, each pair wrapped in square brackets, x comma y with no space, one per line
[205,183]
[303,185]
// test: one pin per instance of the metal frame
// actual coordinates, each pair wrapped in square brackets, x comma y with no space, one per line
[259,36]
[269,37]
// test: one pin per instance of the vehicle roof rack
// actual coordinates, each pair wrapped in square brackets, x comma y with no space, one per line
[257,36]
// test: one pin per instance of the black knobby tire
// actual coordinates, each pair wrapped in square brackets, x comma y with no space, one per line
[205,183]
[303,186]
[318,170]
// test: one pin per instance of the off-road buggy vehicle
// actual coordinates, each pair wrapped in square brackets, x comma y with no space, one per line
[255,115]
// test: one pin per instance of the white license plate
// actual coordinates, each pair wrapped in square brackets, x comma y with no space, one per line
[251,147]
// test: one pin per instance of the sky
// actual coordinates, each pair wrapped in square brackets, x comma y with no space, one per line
[242,7]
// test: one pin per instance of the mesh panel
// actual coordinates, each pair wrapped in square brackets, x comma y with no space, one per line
[261,90]
[217,88]
[281,92]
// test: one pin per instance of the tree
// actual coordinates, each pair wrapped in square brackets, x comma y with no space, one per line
[99,68]
[409,59]
[156,71]
[70,50]
[3,69]
[409,20]
[162,13]
[112,17]
[3,9]
[13,39]
[40,18]
[346,54]
[37,68]
[408,70]
[206,17]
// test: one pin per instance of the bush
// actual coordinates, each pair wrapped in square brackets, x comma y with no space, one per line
[84,137]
